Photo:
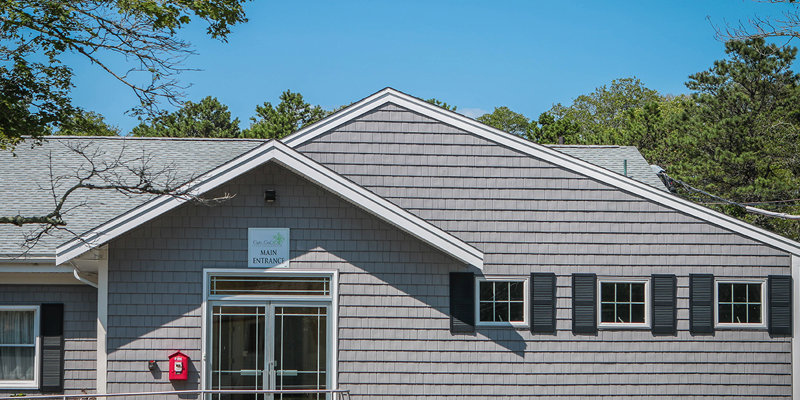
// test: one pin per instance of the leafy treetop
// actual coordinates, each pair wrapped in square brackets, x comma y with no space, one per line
[39,35]
[208,119]
[506,120]
[291,114]
[442,104]
[86,123]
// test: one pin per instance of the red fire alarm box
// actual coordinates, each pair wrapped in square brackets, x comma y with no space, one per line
[178,366]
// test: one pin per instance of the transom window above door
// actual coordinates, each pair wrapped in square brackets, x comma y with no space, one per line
[239,285]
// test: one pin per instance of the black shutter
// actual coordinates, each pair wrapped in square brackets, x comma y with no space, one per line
[584,307]
[543,302]
[52,334]
[779,292]
[462,302]
[701,303]
[663,299]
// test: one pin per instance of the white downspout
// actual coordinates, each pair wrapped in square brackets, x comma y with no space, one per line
[77,273]
[102,318]
[102,323]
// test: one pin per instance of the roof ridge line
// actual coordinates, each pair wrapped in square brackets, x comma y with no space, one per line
[291,159]
[154,138]
[548,154]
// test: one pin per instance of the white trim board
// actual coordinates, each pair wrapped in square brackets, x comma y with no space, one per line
[36,269]
[36,278]
[101,383]
[289,158]
[389,95]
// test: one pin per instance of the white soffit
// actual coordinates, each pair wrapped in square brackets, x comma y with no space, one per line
[298,163]
[389,95]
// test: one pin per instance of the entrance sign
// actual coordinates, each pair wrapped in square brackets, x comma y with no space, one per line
[267,247]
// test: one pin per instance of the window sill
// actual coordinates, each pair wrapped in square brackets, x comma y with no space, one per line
[18,386]
[617,327]
[500,325]
[740,327]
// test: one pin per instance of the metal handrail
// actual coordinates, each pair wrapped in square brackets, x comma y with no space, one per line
[337,393]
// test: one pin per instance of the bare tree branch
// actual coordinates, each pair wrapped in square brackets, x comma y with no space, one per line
[130,173]
[786,26]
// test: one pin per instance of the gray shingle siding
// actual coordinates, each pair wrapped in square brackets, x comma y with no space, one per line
[27,171]
[530,216]
[624,160]
[394,338]
[80,327]
[162,261]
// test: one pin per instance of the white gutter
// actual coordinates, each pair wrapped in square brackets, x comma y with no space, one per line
[11,259]
[77,275]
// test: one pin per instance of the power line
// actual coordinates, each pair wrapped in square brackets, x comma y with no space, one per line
[673,185]
[775,203]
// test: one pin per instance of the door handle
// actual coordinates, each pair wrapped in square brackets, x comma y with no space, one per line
[249,372]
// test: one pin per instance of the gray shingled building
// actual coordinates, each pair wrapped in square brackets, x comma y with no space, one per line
[394,250]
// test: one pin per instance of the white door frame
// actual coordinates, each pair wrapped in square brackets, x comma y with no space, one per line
[332,300]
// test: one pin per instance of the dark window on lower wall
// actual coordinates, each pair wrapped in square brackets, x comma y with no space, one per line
[623,303]
[740,303]
[501,302]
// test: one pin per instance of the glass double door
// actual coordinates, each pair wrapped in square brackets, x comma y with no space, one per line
[273,346]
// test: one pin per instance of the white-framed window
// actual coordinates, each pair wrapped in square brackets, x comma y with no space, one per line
[501,301]
[624,303]
[740,303]
[19,347]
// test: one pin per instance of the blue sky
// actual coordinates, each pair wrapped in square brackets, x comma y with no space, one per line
[526,55]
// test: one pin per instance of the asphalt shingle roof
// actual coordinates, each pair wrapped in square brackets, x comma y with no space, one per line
[25,182]
[613,159]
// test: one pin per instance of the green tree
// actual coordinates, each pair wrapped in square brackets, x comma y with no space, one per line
[86,123]
[625,112]
[652,127]
[208,119]
[506,120]
[442,104]
[38,36]
[291,114]
[745,140]
[549,129]
[602,114]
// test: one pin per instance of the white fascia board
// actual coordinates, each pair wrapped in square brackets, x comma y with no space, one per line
[24,259]
[34,278]
[153,208]
[351,112]
[28,268]
[581,167]
[289,158]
